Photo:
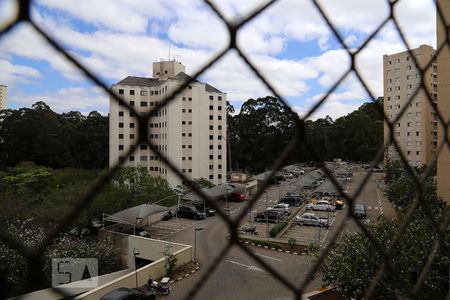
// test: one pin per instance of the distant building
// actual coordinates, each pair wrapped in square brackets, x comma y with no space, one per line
[190,131]
[416,130]
[3,96]
[443,61]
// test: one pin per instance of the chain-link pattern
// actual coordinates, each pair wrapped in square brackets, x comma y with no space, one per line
[33,255]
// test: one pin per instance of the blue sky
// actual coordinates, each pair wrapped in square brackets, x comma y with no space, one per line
[289,42]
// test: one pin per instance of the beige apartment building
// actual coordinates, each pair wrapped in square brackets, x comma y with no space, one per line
[443,61]
[3,96]
[416,131]
[190,131]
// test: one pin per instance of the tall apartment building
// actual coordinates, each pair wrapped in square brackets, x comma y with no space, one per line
[416,131]
[3,96]
[443,61]
[190,131]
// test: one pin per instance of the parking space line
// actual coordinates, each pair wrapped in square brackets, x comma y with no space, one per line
[268,257]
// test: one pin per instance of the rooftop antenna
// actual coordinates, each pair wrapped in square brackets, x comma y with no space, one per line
[169,52]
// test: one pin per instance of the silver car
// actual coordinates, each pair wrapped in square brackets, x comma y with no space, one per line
[282,207]
[311,219]
[322,205]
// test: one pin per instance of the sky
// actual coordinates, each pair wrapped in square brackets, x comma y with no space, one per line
[290,43]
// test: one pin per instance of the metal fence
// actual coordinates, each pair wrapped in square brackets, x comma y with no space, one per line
[33,255]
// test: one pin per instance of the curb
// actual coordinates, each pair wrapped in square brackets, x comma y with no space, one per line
[188,274]
[271,248]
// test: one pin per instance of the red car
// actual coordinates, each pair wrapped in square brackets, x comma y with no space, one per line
[238,197]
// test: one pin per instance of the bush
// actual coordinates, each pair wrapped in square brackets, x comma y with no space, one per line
[277,228]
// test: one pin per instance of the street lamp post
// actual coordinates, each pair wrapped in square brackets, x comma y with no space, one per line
[195,242]
[135,253]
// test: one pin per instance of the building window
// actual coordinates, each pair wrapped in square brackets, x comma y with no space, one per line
[211,107]
[398,124]
[183,110]
[143,146]
[211,137]
[131,92]
[144,103]
[418,143]
[190,158]
[409,153]
[211,157]
[120,147]
[219,156]
[131,135]
[183,98]
[131,114]
[120,113]
[417,152]
[211,97]
[219,167]
[211,176]
[219,118]
[219,147]
[189,134]
[417,133]
[131,103]
[211,167]
[120,136]
[190,99]
[143,158]
[408,133]
[211,147]
[190,170]
[120,125]
[219,176]
[131,125]
[211,127]
[131,158]
[219,107]
[190,87]
[183,158]
[156,92]
[144,93]
[183,134]
[190,110]
[120,91]
[211,117]
[190,146]
[219,98]
[389,62]
[219,137]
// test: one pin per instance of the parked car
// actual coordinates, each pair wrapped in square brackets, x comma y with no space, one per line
[189,211]
[282,207]
[339,204]
[80,231]
[124,293]
[238,197]
[360,211]
[311,219]
[292,200]
[271,216]
[208,210]
[288,175]
[143,233]
[322,205]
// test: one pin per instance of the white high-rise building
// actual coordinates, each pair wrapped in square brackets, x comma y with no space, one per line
[3,96]
[190,131]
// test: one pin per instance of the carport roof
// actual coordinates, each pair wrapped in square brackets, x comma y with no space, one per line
[215,193]
[134,215]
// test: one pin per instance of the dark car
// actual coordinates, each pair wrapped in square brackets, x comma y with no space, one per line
[129,294]
[208,210]
[270,216]
[292,200]
[360,211]
[190,212]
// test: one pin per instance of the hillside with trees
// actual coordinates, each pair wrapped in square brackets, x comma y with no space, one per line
[42,136]
[263,127]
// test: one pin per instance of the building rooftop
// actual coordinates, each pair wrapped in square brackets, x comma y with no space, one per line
[145,81]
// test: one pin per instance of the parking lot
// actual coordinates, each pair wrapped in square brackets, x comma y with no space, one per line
[163,229]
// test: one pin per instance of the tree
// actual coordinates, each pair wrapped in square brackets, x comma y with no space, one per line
[353,262]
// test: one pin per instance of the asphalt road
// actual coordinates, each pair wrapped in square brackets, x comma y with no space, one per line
[237,276]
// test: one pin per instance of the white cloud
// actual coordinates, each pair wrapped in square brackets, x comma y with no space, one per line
[84,100]
[12,74]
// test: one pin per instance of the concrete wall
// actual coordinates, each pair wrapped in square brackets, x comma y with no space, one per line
[70,289]
[443,61]
[155,269]
[149,249]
